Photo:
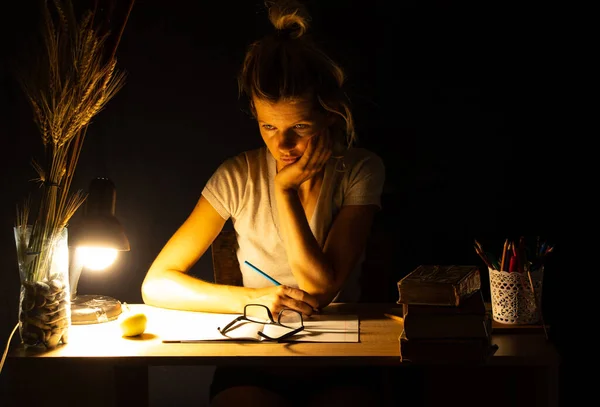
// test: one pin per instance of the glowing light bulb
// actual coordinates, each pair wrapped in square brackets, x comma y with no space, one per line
[97,258]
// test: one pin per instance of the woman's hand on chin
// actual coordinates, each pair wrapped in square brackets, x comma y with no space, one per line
[318,151]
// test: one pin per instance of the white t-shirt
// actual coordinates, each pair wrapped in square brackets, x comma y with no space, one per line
[242,189]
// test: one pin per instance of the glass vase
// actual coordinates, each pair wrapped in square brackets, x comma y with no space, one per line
[45,301]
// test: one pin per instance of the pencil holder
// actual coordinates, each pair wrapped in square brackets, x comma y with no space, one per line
[513,300]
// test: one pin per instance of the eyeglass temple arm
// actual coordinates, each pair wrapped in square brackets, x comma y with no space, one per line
[229,325]
[283,337]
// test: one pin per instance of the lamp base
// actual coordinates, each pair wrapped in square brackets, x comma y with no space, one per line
[94,309]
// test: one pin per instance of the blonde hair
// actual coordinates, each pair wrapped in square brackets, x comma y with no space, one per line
[289,65]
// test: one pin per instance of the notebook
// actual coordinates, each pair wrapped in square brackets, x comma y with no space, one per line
[188,327]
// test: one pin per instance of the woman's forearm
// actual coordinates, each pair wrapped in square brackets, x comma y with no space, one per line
[307,261]
[176,290]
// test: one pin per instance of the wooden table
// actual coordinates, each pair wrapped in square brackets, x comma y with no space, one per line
[100,348]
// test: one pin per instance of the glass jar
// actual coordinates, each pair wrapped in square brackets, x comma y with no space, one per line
[45,301]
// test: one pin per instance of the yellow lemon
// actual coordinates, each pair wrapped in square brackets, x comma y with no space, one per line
[134,324]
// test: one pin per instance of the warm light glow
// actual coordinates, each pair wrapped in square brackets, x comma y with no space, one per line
[60,259]
[96,258]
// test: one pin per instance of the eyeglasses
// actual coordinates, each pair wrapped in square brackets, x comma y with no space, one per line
[260,314]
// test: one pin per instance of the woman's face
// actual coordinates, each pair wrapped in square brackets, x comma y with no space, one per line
[286,127]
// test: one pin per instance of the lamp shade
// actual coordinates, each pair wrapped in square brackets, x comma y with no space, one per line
[99,227]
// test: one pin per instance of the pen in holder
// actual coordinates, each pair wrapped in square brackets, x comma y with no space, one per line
[516,298]
[516,281]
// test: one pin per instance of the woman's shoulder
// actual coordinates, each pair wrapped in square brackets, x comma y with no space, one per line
[241,162]
[254,155]
[358,155]
[360,177]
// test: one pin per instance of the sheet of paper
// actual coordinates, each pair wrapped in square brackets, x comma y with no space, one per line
[184,326]
[322,328]
[187,326]
[330,328]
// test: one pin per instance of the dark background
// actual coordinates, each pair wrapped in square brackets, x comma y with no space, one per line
[459,100]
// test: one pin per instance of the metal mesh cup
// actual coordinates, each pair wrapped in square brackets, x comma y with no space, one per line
[513,299]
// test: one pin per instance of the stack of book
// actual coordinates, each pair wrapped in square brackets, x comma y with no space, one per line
[445,317]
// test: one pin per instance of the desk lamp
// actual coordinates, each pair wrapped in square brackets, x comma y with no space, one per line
[94,244]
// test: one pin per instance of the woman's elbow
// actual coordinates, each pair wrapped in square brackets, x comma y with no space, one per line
[150,289]
[324,299]
[326,293]
[147,292]
[329,291]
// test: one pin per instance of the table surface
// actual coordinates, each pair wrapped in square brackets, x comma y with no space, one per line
[378,344]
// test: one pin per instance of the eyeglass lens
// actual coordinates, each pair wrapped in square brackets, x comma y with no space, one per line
[258,313]
[290,319]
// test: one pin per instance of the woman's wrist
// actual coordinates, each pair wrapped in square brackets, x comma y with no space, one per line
[246,295]
[291,189]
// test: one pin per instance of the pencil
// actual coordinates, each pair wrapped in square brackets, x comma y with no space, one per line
[483,257]
[522,255]
[503,255]
[265,275]
[395,317]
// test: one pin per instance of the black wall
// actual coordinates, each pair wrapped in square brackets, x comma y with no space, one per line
[458,101]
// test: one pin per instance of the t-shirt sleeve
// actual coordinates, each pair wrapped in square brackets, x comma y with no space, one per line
[225,188]
[365,181]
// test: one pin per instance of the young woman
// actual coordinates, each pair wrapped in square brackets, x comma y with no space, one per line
[302,206]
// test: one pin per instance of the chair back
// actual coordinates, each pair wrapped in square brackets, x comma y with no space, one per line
[226,267]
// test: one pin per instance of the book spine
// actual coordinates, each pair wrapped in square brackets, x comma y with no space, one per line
[471,305]
[442,295]
[431,287]
[441,353]
[447,326]
[470,284]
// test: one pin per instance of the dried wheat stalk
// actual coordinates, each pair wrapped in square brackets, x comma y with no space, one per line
[71,83]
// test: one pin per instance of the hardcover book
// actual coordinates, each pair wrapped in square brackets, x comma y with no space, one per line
[439,285]
[474,304]
[442,351]
[445,326]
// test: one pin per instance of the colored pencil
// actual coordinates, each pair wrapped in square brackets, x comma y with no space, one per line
[502,263]
[265,275]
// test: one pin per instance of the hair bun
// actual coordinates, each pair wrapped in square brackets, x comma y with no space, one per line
[288,32]
[289,18]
